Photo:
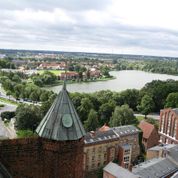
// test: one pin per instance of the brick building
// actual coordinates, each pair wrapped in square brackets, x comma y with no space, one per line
[57,151]
[150,136]
[168,128]
[108,144]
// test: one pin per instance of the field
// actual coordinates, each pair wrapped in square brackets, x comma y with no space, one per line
[56,72]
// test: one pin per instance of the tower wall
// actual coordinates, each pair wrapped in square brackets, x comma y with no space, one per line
[42,158]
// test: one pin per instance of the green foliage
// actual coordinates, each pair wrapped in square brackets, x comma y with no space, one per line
[46,78]
[153,122]
[151,65]
[2,105]
[25,133]
[7,115]
[100,172]
[91,124]
[105,71]
[5,63]
[28,117]
[172,100]
[105,112]
[123,115]
[159,90]
[147,105]
[84,108]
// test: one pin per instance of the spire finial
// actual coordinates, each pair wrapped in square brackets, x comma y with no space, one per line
[65,79]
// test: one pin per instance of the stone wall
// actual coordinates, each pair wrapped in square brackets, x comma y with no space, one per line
[42,158]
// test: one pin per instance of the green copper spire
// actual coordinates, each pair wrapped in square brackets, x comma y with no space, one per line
[61,121]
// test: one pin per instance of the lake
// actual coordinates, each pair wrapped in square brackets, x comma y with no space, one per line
[127,79]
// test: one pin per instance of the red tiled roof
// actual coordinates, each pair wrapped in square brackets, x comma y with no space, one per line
[146,128]
[104,128]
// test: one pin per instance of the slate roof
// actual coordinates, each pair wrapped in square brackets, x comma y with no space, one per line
[125,130]
[99,136]
[118,171]
[111,133]
[3,172]
[61,122]
[173,153]
[155,168]
[146,128]
[175,110]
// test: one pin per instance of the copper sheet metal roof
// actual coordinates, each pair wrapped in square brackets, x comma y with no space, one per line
[61,121]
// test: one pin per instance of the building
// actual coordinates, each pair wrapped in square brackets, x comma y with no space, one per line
[150,136]
[125,156]
[108,144]
[69,75]
[168,128]
[165,166]
[57,151]
[157,151]
[112,170]
[53,66]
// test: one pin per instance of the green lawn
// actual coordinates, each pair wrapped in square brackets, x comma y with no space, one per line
[140,118]
[8,101]
[56,72]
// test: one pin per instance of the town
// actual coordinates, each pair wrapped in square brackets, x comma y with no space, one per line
[88,89]
[100,131]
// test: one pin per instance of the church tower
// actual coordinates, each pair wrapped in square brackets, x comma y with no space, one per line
[57,151]
[63,138]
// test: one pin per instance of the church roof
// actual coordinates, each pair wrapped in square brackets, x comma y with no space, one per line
[61,121]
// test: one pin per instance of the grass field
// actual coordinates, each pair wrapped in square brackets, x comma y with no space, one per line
[56,72]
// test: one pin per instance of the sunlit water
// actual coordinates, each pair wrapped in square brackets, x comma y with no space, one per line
[127,79]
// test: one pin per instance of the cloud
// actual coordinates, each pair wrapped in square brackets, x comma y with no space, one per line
[89,25]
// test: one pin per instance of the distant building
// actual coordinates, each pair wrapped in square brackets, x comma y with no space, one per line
[69,75]
[108,144]
[168,128]
[53,66]
[150,136]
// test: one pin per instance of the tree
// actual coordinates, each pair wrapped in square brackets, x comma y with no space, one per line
[122,115]
[91,124]
[105,112]
[84,108]
[28,117]
[147,105]
[172,100]
[130,97]
[7,115]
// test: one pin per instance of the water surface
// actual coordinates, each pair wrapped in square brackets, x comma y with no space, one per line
[127,79]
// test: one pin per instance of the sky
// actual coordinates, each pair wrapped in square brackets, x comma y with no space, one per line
[145,27]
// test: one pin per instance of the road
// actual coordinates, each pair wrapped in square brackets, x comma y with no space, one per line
[7,131]
[154,116]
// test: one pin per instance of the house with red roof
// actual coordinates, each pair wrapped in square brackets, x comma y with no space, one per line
[150,136]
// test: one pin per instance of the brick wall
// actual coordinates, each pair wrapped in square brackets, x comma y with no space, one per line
[42,158]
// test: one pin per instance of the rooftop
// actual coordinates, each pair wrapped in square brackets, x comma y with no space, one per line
[110,133]
[61,121]
[155,168]
[146,128]
[160,147]
[118,171]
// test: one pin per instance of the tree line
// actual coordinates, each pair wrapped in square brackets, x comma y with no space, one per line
[111,108]
[154,66]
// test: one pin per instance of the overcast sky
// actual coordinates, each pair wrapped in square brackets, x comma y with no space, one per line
[112,26]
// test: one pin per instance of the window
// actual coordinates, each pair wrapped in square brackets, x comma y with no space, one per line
[127,151]
[175,128]
[127,166]
[126,159]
